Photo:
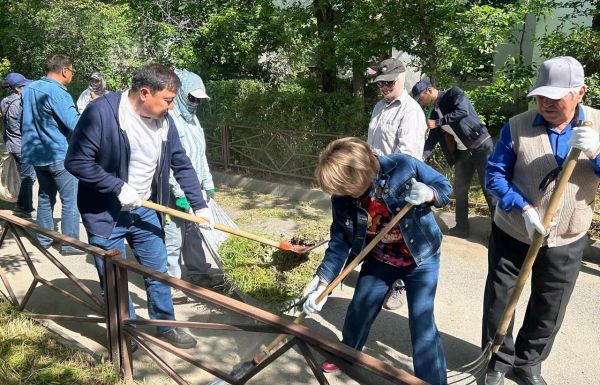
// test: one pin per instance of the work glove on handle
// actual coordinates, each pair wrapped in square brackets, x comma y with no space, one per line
[205,214]
[129,198]
[312,291]
[586,139]
[533,222]
[419,193]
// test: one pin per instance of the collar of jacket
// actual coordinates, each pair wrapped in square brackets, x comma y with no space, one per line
[50,80]
[387,164]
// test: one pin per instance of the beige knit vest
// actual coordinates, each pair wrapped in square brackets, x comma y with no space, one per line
[534,161]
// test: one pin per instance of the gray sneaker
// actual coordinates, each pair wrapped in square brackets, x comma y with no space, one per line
[178,338]
[396,298]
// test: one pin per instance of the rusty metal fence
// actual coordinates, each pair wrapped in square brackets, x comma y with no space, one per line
[113,312]
[264,150]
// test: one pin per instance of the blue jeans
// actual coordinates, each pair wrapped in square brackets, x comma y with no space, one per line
[142,229]
[374,282]
[55,178]
[27,172]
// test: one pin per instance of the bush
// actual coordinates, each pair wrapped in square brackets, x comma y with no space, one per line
[288,106]
[280,129]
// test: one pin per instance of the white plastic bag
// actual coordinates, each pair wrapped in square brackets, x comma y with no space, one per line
[10,178]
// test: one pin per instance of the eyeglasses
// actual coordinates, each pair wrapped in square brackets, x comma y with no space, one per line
[193,99]
[70,69]
[382,84]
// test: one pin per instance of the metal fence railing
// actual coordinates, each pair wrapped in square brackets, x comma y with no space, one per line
[112,310]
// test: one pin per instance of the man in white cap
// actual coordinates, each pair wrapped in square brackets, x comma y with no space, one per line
[531,145]
[397,124]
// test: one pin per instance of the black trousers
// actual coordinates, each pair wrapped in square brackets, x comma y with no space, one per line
[467,162]
[552,281]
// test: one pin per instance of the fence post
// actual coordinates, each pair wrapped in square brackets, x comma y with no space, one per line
[225,146]
[123,312]
[110,302]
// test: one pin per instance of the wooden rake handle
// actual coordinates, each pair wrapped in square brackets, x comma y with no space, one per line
[536,244]
[349,268]
[240,233]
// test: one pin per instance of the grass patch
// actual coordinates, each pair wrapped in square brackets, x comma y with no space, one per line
[272,277]
[30,355]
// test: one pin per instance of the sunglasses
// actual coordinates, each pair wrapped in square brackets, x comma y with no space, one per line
[193,99]
[382,84]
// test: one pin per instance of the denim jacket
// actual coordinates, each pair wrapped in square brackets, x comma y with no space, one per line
[48,120]
[419,228]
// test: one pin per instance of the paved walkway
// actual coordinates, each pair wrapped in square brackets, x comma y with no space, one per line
[458,314]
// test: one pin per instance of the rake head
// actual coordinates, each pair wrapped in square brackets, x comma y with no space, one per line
[471,372]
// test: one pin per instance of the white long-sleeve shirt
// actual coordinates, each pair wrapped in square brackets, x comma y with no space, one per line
[398,126]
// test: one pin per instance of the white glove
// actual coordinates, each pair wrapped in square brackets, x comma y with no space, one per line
[311,292]
[533,223]
[419,193]
[586,139]
[129,198]
[205,214]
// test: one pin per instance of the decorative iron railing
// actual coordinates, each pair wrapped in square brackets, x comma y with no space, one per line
[113,311]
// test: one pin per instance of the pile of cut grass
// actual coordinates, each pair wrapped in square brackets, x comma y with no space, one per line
[30,355]
[272,277]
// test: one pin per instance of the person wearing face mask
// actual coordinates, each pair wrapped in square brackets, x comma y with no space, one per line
[182,238]
[96,87]
[397,125]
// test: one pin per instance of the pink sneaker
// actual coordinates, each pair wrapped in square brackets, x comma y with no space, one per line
[328,367]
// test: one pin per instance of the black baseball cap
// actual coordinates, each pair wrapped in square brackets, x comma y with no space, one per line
[389,69]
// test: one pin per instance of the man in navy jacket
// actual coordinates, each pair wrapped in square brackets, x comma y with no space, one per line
[470,149]
[121,151]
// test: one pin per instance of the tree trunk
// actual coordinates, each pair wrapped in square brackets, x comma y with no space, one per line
[358,80]
[326,60]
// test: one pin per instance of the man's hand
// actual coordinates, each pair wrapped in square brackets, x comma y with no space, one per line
[182,204]
[533,222]
[419,193]
[205,214]
[431,123]
[129,198]
[312,291]
[587,140]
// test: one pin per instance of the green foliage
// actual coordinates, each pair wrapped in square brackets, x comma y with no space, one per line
[97,37]
[507,88]
[289,106]
[30,355]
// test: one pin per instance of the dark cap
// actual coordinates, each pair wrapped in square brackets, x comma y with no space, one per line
[389,69]
[14,80]
[421,86]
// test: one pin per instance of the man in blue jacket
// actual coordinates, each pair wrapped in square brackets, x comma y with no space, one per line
[48,120]
[122,150]
[471,144]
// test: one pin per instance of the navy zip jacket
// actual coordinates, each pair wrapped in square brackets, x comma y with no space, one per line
[460,115]
[98,156]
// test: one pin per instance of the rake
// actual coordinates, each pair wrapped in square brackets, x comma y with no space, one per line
[241,369]
[282,245]
[473,370]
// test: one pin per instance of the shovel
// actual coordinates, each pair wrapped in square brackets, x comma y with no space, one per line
[282,245]
[242,369]
[478,367]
